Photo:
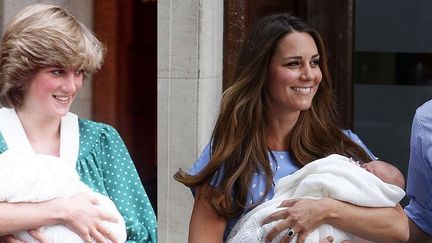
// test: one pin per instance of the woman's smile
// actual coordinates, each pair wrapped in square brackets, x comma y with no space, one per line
[63,99]
[302,90]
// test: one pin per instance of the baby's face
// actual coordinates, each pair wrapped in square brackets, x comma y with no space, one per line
[378,168]
[386,172]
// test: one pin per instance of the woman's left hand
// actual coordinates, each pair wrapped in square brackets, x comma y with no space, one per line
[301,216]
[9,239]
[330,239]
[38,235]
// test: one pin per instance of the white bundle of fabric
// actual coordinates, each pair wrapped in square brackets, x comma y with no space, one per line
[331,177]
[29,177]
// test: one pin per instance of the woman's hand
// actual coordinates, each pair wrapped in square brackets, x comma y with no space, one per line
[38,235]
[83,217]
[301,215]
[9,239]
[328,239]
[304,215]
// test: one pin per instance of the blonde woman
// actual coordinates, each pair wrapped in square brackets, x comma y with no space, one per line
[46,54]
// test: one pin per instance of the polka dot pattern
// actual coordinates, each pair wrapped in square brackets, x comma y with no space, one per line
[106,166]
[3,145]
[281,164]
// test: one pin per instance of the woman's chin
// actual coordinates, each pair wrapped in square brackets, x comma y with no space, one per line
[304,107]
[62,112]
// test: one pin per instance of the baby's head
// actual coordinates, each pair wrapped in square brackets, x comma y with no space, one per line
[386,172]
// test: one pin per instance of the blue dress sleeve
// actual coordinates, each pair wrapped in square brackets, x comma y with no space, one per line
[357,140]
[201,163]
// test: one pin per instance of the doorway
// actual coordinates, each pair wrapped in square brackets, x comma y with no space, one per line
[125,90]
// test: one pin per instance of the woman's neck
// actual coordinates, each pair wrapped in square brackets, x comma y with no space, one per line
[43,133]
[280,126]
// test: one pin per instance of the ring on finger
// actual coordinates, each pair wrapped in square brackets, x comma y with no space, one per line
[88,241]
[290,233]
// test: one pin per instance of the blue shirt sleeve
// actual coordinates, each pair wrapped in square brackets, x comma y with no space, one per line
[204,159]
[419,183]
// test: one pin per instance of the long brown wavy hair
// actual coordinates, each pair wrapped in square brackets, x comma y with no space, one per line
[240,136]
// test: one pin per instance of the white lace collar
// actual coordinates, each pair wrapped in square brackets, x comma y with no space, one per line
[15,137]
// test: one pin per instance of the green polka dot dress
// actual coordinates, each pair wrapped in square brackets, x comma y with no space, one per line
[105,165]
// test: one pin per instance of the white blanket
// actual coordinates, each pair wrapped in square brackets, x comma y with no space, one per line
[29,177]
[331,177]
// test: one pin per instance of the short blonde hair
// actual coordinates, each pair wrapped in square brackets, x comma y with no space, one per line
[42,36]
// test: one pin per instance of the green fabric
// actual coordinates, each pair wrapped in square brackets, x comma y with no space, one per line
[3,146]
[105,165]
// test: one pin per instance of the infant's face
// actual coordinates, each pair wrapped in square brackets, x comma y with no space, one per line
[386,172]
[377,168]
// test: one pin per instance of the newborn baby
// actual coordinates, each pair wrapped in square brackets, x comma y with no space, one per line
[336,177]
[29,177]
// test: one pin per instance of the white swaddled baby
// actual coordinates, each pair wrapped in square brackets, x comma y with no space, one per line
[29,177]
[331,177]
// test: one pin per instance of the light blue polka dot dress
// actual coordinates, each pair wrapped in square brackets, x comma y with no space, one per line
[105,165]
[282,165]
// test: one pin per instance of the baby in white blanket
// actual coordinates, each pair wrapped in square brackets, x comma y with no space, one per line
[377,184]
[29,177]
